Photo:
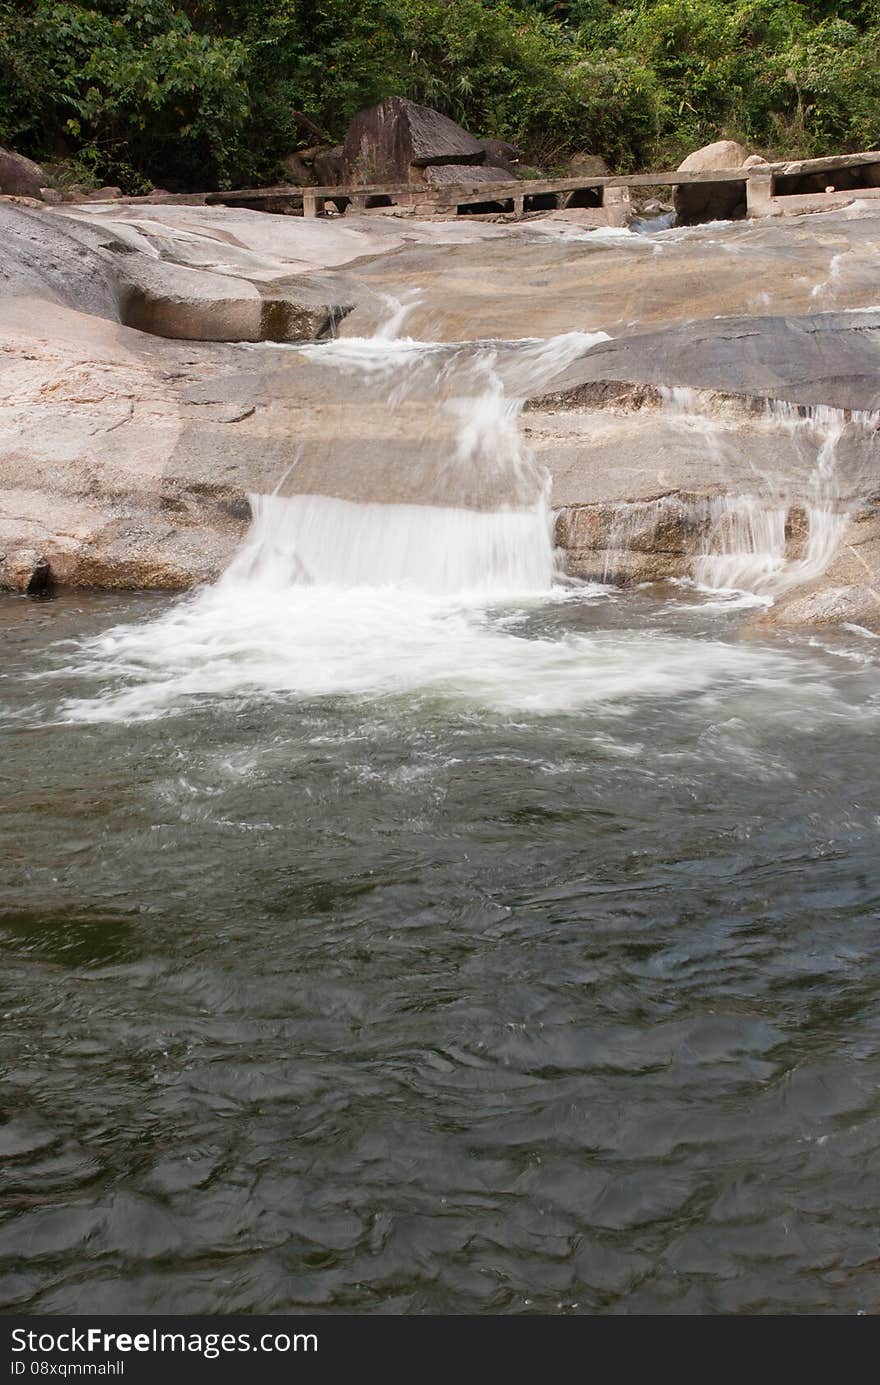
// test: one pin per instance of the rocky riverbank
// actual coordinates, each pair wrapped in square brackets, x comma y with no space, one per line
[141,404]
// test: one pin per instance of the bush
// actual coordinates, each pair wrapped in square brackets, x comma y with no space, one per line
[202,93]
[130,88]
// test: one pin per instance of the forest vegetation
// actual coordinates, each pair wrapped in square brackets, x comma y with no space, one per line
[213,93]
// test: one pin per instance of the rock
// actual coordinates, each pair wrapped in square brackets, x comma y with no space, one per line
[821,358]
[296,171]
[110,268]
[52,196]
[500,154]
[24,570]
[711,201]
[20,177]
[724,153]
[754,161]
[329,166]
[128,457]
[588,166]
[394,141]
[105,194]
[447,175]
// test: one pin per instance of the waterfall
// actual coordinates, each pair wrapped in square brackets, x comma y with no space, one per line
[468,507]
[341,595]
[321,541]
[773,541]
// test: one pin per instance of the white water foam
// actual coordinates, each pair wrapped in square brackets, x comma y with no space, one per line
[748,539]
[329,597]
[248,637]
[320,541]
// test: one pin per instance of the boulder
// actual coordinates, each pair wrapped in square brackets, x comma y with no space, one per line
[711,201]
[446,175]
[296,171]
[589,166]
[500,154]
[329,166]
[181,279]
[20,177]
[394,141]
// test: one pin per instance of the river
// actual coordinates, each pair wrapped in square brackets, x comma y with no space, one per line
[398,926]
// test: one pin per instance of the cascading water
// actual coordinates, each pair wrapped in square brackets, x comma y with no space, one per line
[748,538]
[470,399]
[332,595]
[426,589]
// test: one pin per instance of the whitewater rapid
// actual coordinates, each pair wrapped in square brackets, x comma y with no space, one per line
[335,597]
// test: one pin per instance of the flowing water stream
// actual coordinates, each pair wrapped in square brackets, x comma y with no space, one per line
[400,926]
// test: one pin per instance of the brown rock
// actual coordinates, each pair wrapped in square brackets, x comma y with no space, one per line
[329,166]
[500,154]
[391,142]
[19,176]
[711,201]
[296,171]
[25,570]
[588,165]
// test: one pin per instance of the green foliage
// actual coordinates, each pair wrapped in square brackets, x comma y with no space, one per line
[203,93]
[130,88]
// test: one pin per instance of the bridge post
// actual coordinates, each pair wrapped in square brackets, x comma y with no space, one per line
[759,193]
[617,204]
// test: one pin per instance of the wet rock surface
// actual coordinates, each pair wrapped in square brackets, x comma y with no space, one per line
[128,456]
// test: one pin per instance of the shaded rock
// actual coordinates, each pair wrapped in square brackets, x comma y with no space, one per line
[588,165]
[24,570]
[500,154]
[52,196]
[448,175]
[296,171]
[711,201]
[391,142]
[20,177]
[329,166]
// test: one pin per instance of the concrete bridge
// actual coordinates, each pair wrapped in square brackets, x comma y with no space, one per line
[772,189]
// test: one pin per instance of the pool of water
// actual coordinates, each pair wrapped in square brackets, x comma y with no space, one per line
[377,954]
